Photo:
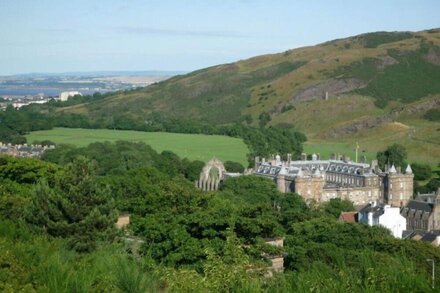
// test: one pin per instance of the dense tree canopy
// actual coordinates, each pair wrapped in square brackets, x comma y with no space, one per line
[234,167]
[394,155]
[76,207]
[421,171]
[335,206]
[180,238]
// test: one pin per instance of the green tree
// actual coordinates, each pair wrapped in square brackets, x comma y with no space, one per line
[395,154]
[14,198]
[25,170]
[335,206]
[250,190]
[192,169]
[234,167]
[421,171]
[76,208]
[264,118]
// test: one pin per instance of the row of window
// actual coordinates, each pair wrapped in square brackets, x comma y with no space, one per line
[420,224]
[336,178]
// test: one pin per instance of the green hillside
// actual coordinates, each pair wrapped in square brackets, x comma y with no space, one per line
[191,146]
[371,81]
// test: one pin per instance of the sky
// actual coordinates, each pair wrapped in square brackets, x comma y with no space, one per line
[184,35]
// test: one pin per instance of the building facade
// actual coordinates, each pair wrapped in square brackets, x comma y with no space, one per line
[423,213]
[64,96]
[374,214]
[321,180]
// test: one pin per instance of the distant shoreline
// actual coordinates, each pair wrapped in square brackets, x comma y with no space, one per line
[13,92]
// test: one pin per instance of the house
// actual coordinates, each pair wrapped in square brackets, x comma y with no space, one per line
[348,217]
[423,213]
[432,237]
[389,217]
[64,96]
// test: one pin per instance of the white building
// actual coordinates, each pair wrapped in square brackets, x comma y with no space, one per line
[379,214]
[64,96]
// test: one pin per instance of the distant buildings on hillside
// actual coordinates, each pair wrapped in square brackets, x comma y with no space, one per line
[64,96]
[18,102]
[24,150]
[23,101]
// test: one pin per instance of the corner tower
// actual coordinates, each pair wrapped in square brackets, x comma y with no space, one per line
[398,186]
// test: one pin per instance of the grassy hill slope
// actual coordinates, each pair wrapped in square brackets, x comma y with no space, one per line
[371,81]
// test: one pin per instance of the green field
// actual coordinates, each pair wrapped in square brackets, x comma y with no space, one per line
[191,146]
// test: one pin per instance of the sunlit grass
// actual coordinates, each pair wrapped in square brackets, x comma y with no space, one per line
[191,146]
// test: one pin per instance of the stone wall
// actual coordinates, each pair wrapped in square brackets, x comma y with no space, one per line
[310,188]
[358,195]
[399,189]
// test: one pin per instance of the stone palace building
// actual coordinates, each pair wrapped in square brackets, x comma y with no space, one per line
[321,180]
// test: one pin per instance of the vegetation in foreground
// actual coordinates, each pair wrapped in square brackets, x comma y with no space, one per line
[56,233]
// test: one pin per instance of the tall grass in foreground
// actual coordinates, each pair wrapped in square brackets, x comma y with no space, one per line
[38,264]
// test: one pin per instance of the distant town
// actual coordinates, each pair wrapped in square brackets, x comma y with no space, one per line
[18,102]
[22,90]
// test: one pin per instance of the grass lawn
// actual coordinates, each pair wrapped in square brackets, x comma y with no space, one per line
[421,140]
[191,146]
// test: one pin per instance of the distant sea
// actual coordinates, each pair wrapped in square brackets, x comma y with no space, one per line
[36,91]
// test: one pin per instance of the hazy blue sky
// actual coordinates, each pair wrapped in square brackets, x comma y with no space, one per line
[91,35]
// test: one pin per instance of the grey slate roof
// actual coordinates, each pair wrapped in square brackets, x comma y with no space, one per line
[420,206]
[431,236]
[334,166]
[377,210]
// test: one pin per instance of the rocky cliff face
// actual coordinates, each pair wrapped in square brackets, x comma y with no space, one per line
[370,122]
[333,87]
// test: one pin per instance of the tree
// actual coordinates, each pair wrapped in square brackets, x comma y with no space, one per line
[13,199]
[432,186]
[45,142]
[234,167]
[395,154]
[421,171]
[264,118]
[335,206]
[76,208]
[250,190]
[26,171]
[192,169]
